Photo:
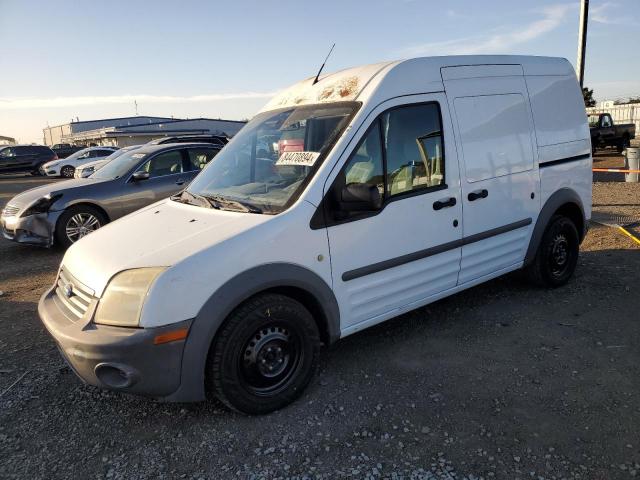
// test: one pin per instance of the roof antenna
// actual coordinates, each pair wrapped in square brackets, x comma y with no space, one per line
[325,61]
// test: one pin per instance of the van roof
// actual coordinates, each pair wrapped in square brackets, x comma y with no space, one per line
[403,77]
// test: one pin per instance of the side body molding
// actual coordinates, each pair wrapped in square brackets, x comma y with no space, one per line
[554,202]
[224,300]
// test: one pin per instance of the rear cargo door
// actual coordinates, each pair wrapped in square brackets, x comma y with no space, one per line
[495,139]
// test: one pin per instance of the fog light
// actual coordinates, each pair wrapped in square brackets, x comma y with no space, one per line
[116,376]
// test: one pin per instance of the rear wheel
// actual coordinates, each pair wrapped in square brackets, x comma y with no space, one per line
[557,254]
[67,171]
[264,355]
[77,222]
[624,144]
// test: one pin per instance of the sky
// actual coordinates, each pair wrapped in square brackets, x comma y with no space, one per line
[67,59]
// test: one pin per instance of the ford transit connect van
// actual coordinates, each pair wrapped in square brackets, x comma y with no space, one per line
[343,203]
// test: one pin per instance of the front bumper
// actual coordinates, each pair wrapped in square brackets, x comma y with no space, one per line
[50,171]
[116,358]
[33,230]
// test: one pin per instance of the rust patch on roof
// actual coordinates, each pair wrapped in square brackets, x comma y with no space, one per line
[347,87]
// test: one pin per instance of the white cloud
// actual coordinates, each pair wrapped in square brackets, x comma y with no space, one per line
[602,14]
[552,18]
[57,102]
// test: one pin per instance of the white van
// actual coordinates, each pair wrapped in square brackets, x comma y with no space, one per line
[342,204]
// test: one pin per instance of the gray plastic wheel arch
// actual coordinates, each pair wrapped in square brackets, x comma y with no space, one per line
[554,202]
[226,299]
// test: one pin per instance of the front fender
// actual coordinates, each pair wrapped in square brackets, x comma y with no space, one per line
[224,300]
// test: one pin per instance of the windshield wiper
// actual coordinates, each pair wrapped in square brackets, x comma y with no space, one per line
[220,202]
[191,199]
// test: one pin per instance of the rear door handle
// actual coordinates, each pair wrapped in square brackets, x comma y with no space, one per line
[180,181]
[447,202]
[477,195]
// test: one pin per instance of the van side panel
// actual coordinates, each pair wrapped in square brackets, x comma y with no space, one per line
[562,135]
[558,111]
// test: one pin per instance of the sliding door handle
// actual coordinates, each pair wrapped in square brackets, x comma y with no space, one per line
[477,195]
[447,202]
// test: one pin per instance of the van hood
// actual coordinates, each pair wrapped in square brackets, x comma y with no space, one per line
[159,235]
[27,197]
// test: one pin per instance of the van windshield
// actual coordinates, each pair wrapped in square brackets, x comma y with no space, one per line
[265,166]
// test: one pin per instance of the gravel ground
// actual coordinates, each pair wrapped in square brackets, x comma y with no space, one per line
[501,381]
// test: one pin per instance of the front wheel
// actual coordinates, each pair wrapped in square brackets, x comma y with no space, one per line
[264,355]
[77,222]
[624,144]
[557,254]
[67,171]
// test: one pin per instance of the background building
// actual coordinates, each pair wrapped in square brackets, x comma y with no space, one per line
[121,132]
[7,140]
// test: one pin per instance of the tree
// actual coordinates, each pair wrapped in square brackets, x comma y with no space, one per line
[587,94]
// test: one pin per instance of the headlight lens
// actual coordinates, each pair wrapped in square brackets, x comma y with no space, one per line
[124,297]
[42,205]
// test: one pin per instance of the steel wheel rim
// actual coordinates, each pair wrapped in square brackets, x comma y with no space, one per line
[269,359]
[80,225]
[560,255]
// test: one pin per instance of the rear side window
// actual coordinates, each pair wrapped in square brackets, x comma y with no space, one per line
[496,135]
[199,157]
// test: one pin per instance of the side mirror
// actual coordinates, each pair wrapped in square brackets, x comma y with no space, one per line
[360,197]
[140,175]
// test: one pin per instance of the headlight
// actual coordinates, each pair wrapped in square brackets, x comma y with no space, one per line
[85,172]
[123,298]
[42,205]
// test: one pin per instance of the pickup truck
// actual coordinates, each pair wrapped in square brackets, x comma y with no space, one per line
[605,134]
[63,150]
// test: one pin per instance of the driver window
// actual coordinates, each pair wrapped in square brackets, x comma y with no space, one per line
[413,144]
[167,163]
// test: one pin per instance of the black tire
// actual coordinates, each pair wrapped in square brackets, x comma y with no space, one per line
[557,254]
[624,143]
[264,355]
[70,217]
[67,171]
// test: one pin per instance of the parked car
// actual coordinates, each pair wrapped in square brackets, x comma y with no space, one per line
[24,158]
[64,212]
[214,139]
[605,133]
[63,150]
[66,167]
[417,179]
[90,168]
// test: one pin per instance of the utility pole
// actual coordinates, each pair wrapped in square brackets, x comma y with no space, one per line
[582,39]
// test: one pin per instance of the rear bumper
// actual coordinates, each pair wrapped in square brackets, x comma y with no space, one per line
[116,358]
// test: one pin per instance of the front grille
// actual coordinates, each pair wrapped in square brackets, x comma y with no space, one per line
[71,295]
[10,210]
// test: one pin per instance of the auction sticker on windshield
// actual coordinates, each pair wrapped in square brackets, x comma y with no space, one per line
[306,159]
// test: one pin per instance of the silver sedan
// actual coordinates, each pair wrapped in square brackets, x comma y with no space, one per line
[64,212]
